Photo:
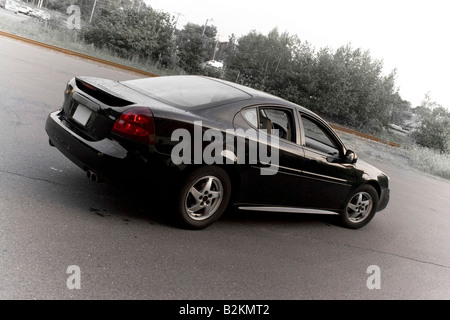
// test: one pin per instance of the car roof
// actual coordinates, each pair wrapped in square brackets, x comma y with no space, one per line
[164,89]
[261,97]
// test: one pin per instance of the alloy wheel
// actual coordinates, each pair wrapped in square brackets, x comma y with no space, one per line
[204,198]
[359,207]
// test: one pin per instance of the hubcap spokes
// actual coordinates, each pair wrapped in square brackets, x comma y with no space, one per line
[359,207]
[204,198]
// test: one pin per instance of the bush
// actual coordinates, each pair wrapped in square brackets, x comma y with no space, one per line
[434,132]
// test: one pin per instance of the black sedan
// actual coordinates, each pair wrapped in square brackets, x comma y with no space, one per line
[205,145]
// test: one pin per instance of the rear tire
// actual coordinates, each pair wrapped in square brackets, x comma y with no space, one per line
[203,197]
[360,208]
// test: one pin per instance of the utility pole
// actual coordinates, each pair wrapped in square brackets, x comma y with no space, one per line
[204,29]
[92,13]
[178,16]
[216,48]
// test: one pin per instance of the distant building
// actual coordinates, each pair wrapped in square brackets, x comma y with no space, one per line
[412,124]
[215,64]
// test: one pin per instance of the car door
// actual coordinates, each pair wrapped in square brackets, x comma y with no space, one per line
[326,177]
[273,183]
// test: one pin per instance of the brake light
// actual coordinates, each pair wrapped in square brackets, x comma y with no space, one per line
[87,85]
[136,124]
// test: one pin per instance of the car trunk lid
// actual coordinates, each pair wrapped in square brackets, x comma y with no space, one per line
[91,105]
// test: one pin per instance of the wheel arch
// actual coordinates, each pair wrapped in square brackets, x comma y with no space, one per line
[233,171]
[376,186]
[372,183]
[198,214]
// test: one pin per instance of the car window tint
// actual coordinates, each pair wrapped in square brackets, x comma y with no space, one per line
[317,138]
[251,116]
[279,119]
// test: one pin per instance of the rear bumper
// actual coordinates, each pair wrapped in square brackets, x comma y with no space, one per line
[110,160]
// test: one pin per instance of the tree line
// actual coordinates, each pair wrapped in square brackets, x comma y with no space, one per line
[344,85]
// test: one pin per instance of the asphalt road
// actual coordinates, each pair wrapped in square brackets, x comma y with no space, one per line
[52,217]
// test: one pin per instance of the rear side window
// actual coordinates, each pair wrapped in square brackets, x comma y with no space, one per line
[251,116]
[277,120]
[188,91]
[271,120]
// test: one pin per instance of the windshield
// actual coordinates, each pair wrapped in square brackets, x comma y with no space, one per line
[188,91]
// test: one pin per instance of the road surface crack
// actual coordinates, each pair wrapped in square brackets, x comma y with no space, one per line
[28,177]
[398,256]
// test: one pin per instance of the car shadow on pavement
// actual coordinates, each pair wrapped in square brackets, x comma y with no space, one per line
[107,200]
[278,218]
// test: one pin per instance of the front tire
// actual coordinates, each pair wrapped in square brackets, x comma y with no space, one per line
[360,208]
[204,197]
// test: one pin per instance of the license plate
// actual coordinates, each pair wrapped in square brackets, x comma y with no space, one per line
[82,115]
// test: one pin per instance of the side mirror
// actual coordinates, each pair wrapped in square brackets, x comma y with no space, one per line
[350,157]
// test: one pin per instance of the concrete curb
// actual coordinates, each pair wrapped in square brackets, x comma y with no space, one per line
[76,54]
[364,135]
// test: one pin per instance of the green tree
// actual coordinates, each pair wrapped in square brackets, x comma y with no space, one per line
[434,131]
[347,85]
[300,81]
[352,89]
[400,111]
[146,34]
[195,45]
[260,61]
[278,63]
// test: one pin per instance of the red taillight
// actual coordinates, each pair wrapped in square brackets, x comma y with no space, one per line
[136,124]
[87,85]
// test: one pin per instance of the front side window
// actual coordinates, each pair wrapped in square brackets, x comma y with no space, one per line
[317,138]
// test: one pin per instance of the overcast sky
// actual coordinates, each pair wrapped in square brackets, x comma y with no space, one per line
[411,36]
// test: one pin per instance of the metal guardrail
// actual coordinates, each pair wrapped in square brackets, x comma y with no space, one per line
[149,74]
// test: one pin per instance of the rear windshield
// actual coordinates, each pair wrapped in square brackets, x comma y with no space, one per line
[188,92]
